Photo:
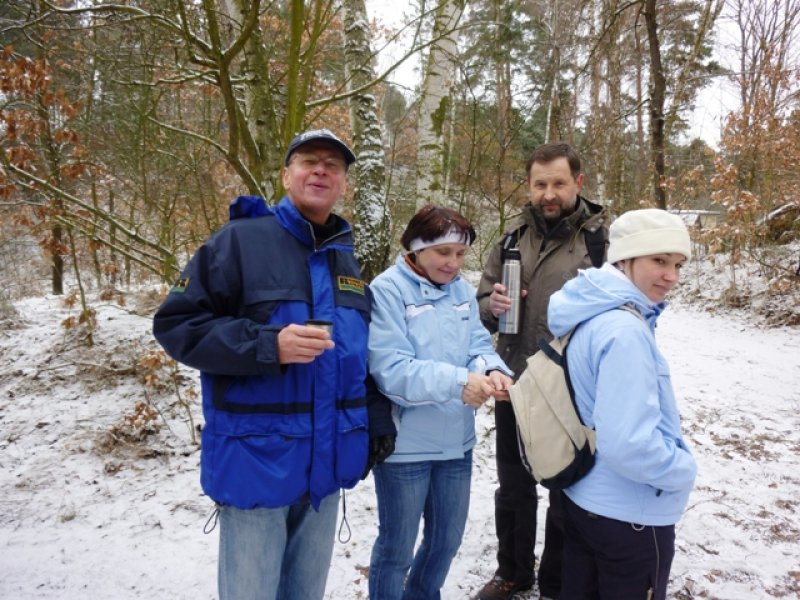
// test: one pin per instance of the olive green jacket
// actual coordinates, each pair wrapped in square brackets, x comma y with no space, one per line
[549,258]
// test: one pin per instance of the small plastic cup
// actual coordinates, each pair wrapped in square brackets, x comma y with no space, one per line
[319,324]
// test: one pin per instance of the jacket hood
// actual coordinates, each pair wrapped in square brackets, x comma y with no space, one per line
[595,291]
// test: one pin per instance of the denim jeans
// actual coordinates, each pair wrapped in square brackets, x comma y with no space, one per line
[276,553]
[438,492]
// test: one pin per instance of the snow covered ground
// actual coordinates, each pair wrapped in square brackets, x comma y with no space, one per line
[100,498]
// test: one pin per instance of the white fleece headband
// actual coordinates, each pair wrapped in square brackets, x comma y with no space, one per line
[454,236]
[645,232]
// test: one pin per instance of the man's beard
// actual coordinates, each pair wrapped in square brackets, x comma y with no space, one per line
[552,220]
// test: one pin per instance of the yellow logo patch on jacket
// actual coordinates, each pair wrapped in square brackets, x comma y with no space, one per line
[351,284]
[180,286]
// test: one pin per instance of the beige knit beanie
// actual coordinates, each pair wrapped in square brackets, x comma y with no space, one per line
[645,232]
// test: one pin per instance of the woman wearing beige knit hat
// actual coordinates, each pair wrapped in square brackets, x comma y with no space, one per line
[660,239]
[620,518]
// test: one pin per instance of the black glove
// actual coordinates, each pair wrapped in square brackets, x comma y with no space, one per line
[380,448]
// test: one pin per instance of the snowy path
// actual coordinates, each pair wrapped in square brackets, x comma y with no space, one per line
[80,522]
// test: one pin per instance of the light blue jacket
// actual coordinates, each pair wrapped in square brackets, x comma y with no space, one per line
[423,341]
[644,470]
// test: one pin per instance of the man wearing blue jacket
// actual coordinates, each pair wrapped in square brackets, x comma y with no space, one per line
[284,402]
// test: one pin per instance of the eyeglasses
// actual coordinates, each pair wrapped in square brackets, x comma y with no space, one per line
[311,161]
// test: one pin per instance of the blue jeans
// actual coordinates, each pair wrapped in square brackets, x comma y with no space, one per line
[276,553]
[437,491]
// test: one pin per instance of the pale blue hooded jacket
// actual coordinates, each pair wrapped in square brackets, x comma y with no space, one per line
[424,339]
[644,470]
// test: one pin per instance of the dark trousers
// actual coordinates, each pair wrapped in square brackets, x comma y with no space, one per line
[515,504]
[606,559]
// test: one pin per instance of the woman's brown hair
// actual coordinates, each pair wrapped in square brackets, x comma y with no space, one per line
[432,222]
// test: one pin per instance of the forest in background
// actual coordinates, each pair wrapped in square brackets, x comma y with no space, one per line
[127,127]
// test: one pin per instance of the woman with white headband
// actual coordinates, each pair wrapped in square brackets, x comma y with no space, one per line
[430,354]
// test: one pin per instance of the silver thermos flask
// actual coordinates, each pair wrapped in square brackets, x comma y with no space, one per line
[512,278]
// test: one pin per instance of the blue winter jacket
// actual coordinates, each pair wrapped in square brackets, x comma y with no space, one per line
[274,434]
[424,339]
[644,470]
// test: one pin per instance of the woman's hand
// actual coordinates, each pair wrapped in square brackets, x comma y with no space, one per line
[477,391]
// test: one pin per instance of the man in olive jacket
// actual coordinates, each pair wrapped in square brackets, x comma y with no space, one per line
[558,233]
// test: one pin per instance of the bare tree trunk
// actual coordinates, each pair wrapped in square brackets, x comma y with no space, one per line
[555,66]
[640,176]
[56,206]
[113,239]
[435,97]
[222,55]
[502,71]
[615,151]
[57,267]
[658,89]
[371,220]
[261,118]
[593,154]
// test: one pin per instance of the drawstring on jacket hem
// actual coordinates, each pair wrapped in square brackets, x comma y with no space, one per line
[344,525]
[213,519]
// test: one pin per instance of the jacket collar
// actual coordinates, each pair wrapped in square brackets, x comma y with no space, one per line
[567,225]
[300,228]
